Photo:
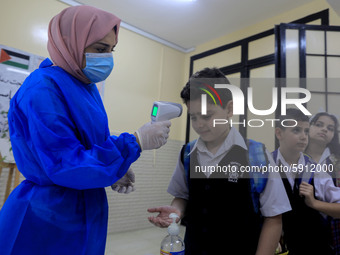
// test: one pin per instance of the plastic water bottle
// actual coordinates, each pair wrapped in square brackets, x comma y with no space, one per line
[173,244]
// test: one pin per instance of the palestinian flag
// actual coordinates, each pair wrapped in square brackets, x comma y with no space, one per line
[15,59]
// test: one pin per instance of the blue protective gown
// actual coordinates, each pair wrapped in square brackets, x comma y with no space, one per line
[62,145]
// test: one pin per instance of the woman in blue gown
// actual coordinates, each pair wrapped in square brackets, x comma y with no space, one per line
[62,144]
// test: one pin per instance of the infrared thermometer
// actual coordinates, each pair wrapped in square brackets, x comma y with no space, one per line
[162,110]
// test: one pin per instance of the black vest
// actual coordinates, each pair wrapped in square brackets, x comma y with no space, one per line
[220,215]
[305,230]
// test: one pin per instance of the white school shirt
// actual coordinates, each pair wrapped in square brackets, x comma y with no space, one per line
[324,187]
[326,153]
[273,200]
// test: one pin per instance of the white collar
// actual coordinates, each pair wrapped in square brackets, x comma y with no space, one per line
[281,159]
[326,153]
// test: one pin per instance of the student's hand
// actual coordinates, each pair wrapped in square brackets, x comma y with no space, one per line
[307,191]
[126,183]
[162,220]
[153,135]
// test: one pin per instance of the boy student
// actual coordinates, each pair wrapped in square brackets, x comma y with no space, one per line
[219,207]
[305,230]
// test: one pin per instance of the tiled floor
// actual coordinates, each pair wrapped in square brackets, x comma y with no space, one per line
[141,242]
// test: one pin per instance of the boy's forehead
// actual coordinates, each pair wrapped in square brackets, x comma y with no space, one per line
[195,106]
[303,124]
[194,103]
[300,124]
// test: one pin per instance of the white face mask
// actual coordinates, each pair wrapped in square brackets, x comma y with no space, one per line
[98,66]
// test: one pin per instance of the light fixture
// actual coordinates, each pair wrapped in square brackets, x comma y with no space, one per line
[184,0]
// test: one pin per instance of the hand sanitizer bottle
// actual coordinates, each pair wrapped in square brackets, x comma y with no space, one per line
[172,244]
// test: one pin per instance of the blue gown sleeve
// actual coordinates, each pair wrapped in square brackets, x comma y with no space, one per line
[55,140]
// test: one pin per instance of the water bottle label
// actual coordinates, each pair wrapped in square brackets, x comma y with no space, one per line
[172,253]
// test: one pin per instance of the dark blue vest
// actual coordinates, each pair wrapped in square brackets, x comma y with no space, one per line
[305,230]
[220,214]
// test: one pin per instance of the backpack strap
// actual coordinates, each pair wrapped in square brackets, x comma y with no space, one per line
[185,158]
[307,175]
[257,156]
[274,154]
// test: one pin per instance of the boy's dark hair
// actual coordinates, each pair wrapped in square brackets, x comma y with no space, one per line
[293,114]
[334,145]
[203,81]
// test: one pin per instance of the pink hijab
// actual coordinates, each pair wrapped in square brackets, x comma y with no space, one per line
[74,29]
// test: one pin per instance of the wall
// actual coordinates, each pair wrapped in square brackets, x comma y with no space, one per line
[144,71]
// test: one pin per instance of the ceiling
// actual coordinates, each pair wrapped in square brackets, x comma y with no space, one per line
[184,24]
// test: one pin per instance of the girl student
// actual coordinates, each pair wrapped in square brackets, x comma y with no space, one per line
[324,149]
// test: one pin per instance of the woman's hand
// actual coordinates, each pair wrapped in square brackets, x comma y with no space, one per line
[153,135]
[126,183]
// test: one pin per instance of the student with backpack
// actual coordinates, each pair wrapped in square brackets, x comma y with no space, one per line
[305,230]
[225,212]
[324,148]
